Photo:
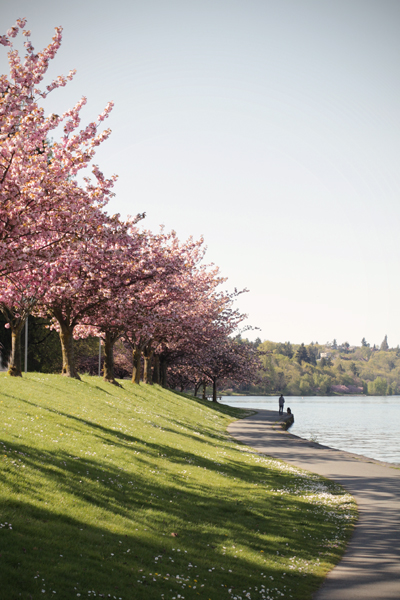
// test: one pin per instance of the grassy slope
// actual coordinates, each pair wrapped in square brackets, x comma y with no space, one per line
[139,493]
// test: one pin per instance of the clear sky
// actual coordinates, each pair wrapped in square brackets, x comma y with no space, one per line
[272,128]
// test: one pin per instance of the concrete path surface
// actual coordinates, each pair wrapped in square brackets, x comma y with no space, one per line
[370,568]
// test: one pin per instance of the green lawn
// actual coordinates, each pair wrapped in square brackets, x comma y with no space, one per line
[139,493]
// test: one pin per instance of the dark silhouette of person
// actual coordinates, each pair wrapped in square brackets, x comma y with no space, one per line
[281,404]
[288,420]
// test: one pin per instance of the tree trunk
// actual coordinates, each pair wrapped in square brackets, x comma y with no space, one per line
[204,390]
[196,388]
[214,389]
[67,347]
[156,369]
[136,371]
[108,367]
[163,371]
[14,364]
[148,359]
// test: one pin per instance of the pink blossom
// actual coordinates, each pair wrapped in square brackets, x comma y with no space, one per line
[12,32]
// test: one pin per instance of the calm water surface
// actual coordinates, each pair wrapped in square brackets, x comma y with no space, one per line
[363,425]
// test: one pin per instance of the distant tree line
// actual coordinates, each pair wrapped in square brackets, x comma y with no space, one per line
[326,369]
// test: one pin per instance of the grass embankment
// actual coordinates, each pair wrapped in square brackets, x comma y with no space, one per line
[139,493]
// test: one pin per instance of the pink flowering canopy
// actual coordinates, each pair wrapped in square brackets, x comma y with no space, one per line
[40,199]
[41,202]
[63,257]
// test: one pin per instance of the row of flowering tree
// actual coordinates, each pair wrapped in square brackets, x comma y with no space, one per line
[63,257]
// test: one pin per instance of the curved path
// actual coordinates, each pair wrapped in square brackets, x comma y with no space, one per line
[370,568]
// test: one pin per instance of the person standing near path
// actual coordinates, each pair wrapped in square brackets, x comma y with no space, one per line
[281,404]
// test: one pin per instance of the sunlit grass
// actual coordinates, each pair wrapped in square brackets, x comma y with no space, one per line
[139,493]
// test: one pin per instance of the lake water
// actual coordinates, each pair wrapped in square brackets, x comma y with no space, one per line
[367,425]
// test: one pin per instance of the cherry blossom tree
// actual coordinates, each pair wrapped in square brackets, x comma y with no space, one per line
[145,277]
[229,360]
[40,199]
[180,316]
[146,315]
[37,197]
[210,316]
[140,262]
[223,360]
[165,304]
[86,276]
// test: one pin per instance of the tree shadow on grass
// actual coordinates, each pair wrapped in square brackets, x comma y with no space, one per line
[132,486]
[142,453]
[45,551]
[111,494]
[125,441]
[56,552]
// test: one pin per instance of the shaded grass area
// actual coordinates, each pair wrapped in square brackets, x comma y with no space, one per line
[139,493]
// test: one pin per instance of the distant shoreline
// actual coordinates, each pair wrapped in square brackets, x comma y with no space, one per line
[303,395]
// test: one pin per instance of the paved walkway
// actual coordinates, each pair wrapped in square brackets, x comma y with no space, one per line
[370,568]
